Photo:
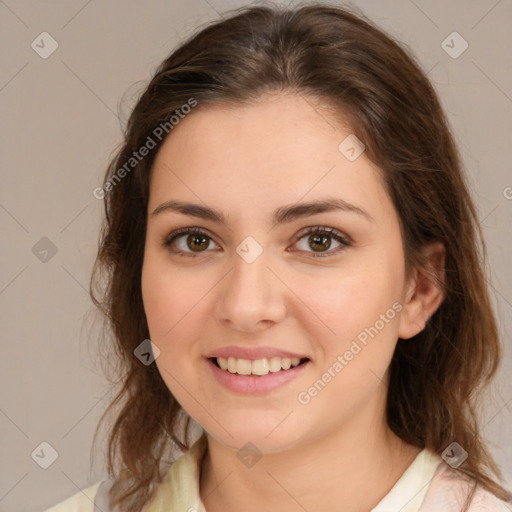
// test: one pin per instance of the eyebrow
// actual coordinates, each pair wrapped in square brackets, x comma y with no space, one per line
[281,215]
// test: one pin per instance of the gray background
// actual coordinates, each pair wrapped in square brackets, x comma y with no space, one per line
[60,125]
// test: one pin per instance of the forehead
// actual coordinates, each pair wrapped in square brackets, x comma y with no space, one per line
[277,150]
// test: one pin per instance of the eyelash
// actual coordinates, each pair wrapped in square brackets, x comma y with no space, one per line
[315,230]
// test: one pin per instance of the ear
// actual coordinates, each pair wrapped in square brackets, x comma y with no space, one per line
[423,293]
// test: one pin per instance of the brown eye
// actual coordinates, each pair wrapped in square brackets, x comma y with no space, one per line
[187,241]
[197,243]
[319,240]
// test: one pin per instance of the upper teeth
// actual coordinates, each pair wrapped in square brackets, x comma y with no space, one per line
[258,366]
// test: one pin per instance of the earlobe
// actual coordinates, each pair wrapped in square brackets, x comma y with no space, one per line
[425,292]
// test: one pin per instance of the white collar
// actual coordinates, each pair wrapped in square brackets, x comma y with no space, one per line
[179,489]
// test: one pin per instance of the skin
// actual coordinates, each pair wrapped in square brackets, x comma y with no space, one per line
[246,161]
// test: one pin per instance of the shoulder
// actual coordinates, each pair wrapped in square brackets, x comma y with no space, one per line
[484,501]
[82,501]
[449,489]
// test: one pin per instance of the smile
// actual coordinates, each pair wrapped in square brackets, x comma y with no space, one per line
[252,383]
[258,367]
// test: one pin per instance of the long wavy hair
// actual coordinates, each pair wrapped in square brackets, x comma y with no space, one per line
[341,58]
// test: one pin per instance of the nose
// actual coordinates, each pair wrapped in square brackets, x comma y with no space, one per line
[251,298]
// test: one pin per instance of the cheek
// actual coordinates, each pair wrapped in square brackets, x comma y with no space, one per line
[340,305]
[358,331]
[356,338]
[173,307]
[176,304]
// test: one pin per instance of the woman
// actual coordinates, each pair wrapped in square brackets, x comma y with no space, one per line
[289,224]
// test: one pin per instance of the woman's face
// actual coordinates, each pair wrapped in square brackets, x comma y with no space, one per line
[259,282]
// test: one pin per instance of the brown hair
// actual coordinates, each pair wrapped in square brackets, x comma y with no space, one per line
[336,56]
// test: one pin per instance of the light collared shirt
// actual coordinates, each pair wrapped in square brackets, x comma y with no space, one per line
[427,485]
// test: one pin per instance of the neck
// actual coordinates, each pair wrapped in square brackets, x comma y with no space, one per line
[317,475]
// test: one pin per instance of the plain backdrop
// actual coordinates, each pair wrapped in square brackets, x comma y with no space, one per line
[61,122]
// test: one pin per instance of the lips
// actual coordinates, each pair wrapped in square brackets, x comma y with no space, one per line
[255,384]
[253,353]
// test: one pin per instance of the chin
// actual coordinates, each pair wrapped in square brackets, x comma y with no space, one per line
[266,440]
